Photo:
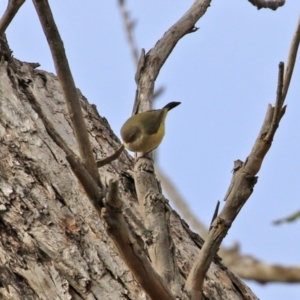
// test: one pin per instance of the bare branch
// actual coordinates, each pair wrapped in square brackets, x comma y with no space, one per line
[272,4]
[243,265]
[208,251]
[109,159]
[156,216]
[291,60]
[240,189]
[251,268]
[157,56]
[68,86]
[140,66]
[276,116]
[132,254]
[156,220]
[11,10]
[278,106]
[216,212]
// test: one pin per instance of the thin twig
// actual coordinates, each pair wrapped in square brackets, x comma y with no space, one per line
[11,10]
[215,214]
[291,60]
[66,80]
[139,67]
[278,105]
[109,159]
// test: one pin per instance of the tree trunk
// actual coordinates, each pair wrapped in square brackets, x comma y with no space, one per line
[52,243]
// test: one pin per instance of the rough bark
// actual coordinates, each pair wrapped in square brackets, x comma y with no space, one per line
[52,243]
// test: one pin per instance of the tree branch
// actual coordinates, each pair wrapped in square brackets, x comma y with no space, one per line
[241,186]
[152,203]
[138,61]
[240,189]
[157,56]
[249,267]
[244,177]
[253,272]
[278,105]
[10,12]
[291,60]
[109,159]
[244,265]
[66,80]
[132,254]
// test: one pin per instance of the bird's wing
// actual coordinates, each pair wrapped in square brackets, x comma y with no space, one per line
[153,127]
[130,134]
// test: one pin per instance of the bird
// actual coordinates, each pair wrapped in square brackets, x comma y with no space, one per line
[144,132]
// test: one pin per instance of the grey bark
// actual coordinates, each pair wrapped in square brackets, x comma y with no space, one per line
[52,243]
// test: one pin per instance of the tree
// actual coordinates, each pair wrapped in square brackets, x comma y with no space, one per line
[53,240]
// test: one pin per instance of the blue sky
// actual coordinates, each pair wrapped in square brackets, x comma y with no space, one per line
[225,75]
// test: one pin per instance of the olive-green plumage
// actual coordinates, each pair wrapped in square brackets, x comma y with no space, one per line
[143,132]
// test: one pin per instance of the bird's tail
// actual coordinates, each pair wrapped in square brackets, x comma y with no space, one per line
[171,105]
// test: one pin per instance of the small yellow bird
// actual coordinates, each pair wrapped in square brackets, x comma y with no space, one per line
[143,132]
